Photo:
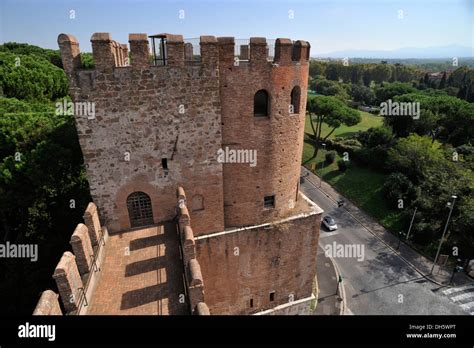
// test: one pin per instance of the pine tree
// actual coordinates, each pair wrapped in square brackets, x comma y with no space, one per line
[462,94]
[426,79]
[450,80]
[470,93]
[442,83]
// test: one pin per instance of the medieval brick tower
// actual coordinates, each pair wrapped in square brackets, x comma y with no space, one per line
[160,122]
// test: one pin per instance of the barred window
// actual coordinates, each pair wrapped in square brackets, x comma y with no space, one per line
[139,209]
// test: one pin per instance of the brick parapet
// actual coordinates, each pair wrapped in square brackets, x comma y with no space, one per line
[192,269]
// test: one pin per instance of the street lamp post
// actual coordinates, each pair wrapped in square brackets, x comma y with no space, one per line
[400,234]
[451,205]
[411,223]
[324,160]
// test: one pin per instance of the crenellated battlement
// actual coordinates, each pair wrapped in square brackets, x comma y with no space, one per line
[173,51]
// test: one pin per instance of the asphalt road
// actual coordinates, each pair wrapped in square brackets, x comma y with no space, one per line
[381,282]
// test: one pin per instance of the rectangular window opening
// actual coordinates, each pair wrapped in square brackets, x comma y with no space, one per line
[164,163]
[251,303]
[272,296]
[269,202]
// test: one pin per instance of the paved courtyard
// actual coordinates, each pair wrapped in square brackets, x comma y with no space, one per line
[141,274]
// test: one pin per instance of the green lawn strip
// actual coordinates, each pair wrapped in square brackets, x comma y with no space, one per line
[368,120]
[361,185]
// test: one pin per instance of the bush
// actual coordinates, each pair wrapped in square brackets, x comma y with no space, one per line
[398,186]
[342,165]
[345,145]
[465,150]
[330,157]
[376,136]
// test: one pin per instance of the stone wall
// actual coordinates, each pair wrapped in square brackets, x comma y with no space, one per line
[242,267]
[185,113]
[144,114]
[48,304]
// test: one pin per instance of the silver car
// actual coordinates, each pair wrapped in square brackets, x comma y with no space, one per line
[329,223]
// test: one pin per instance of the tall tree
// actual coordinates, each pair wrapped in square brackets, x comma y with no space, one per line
[367,77]
[381,73]
[442,83]
[470,93]
[426,79]
[331,111]
[333,71]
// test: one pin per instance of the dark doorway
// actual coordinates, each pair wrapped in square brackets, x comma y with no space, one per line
[139,209]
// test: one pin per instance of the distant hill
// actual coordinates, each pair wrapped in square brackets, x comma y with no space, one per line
[403,53]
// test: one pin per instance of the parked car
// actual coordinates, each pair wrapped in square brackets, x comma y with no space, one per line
[329,223]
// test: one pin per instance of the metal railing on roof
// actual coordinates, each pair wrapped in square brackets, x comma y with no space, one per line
[192,49]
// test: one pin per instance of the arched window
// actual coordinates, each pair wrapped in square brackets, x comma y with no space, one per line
[139,209]
[295,100]
[197,203]
[261,104]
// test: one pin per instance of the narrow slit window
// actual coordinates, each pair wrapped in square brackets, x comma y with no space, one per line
[164,163]
[272,296]
[251,303]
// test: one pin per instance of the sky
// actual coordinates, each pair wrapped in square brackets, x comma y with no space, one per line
[329,25]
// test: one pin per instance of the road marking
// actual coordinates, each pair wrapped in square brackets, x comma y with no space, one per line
[468,306]
[461,288]
[348,311]
[462,297]
[328,234]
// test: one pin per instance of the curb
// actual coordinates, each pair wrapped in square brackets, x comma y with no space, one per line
[316,295]
[342,291]
[373,233]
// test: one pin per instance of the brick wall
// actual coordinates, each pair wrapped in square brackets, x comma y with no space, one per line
[192,269]
[248,264]
[278,138]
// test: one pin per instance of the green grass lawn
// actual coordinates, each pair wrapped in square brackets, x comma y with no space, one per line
[361,185]
[368,120]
